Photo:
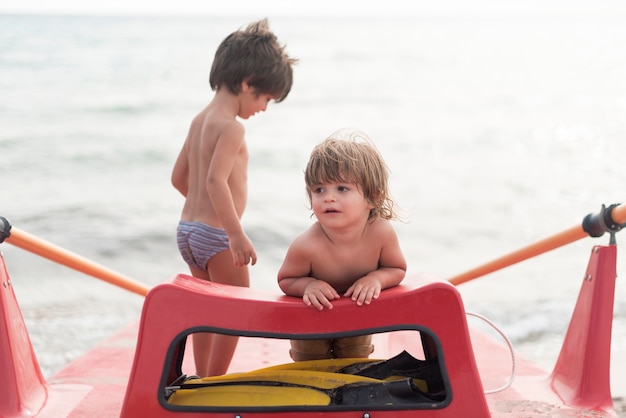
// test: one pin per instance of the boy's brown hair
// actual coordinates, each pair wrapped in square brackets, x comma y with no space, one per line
[352,160]
[253,55]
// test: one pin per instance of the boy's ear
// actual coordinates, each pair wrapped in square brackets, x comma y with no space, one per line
[245,87]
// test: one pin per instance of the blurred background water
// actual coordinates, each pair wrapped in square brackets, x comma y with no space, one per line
[500,129]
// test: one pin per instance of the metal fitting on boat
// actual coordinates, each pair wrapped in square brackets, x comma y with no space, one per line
[597,224]
[5,229]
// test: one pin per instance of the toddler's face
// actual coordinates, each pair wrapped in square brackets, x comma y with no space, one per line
[339,204]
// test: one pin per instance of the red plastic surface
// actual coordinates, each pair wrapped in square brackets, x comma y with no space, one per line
[587,343]
[188,303]
[23,391]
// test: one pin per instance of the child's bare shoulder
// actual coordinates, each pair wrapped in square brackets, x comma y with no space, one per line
[213,129]
[232,129]
[381,228]
[309,238]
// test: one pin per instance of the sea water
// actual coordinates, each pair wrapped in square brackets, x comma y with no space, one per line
[500,129]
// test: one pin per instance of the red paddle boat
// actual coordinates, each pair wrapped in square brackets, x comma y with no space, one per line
[427,361]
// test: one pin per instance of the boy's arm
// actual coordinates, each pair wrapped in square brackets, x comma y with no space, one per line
[180,173]
[226,151]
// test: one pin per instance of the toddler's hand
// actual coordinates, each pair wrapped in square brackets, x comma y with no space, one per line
[364,290]
[319,294]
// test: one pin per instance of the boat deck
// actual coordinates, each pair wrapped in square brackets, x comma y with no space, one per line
[94,385]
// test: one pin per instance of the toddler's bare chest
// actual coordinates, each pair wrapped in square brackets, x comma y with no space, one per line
[345,265]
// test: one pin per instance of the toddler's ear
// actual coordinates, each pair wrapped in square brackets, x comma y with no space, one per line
[375,198]
[245,87]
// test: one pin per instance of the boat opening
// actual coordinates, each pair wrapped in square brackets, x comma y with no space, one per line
[414,378]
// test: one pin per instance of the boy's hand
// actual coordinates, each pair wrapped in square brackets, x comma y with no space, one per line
[242,250]
[364,290]
[318,294]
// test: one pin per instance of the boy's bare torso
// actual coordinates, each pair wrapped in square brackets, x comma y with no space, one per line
[208,132]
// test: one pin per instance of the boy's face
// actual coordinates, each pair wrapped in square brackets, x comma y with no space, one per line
[340,205]
[250,103]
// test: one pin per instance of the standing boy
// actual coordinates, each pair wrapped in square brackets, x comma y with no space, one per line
[250,69]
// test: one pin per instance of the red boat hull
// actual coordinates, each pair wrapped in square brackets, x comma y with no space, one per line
[139,359]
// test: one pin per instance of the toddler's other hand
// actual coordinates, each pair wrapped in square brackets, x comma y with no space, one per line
[364,290]
[319,294]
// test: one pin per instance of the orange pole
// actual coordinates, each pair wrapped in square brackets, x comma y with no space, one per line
[69,259]
[619,214]
[558,240]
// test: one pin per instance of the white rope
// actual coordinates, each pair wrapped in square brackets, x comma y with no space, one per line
[508,343]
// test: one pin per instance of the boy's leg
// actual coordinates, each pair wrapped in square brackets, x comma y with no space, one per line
[201,340]
[221,269]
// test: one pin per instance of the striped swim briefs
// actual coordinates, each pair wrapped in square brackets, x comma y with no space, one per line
[198,242]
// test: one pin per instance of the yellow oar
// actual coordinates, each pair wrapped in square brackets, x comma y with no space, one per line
[69,259]
[617,214]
